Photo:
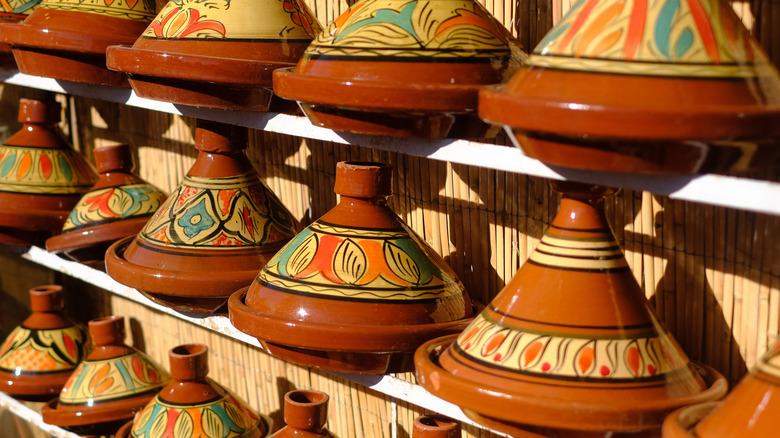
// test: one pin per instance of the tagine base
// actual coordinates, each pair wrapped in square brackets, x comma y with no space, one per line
[98,421]
[377,349]
[89,245]
[67,66]
[195,307]
[31,387]
[680,423]
[640,417]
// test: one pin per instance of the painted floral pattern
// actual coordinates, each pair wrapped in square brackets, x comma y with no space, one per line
[220,213]
[96,381]
[114,203]
[141,10]
[44,171]
[17,9]
[38,351]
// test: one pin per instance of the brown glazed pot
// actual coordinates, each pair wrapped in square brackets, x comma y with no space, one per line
[109,387]
[117,206]
[570,346]
[356,77]
[216,54]
[38,356]
[67,39]
[305,413]
[357,290]
[200,406]
[659,100]
[435,426]
[41,176]
[751,410]
[13,11]
[212,235]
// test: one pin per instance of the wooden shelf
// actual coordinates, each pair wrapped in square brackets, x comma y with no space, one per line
[33,417]
[385,384]
[718,190]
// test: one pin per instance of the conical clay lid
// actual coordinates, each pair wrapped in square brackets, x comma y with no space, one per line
[117,206]
[67,39]
[193,405]
[399,67]
[112,384]
[212,235]
[41,176]
[571,336]
[638,83]
[305,414]
[216,54]
[38,356]
[357,280]
[751,410]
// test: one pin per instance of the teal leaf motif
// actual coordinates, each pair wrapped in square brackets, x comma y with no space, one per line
[663,27]
[402,19]
[8,165]
[195,220]
[683,43]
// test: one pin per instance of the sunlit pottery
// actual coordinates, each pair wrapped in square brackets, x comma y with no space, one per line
[305,415]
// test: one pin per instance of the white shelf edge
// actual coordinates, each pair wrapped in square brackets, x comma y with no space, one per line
[33,417]
[718,190]
[385,384]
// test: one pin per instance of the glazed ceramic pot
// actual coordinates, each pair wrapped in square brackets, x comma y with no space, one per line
[751,410]
[435,426]
[38,356]
[570,345]
[356,291]
[216,54]
[109,387]
[41,176]
[401,67]
[212,235]
[305,415]
[650,88]
[67,39]
[117,206]
[13,11]
[193,405]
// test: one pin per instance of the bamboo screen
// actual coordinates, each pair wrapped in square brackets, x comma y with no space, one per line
[712,273]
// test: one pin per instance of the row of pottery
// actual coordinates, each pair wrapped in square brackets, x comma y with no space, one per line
[686,90]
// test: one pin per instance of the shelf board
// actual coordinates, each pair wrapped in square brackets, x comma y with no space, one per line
[385,384]
[33,417]
[718,190]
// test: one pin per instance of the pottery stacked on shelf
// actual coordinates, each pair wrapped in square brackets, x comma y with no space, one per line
[193,405]
[212,235]
[357,290]
[305,415]
[67,39]
[39,355]
[667,87]
[570,345]
[403,68]
[117,206]
[216,54]
[41,176]
[13,11]
[435,426]
[109,387]
[751,410]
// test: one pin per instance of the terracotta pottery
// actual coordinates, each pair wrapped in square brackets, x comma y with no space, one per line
[109,387]
[356,291]
[193,405]
[212,235]
[216,54]
[41,176]
[38,356]
[570,344]
[642,87]
[13,11]
[401,67]
[751,410]
[435,426]
[117,206]
[67,39]
[305,413]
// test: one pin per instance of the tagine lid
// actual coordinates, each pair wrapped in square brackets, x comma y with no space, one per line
[359,278]
[618,70]
[200,406]
[570,336]
[110,386]
[213,233]
[750,410]
[420,66]
[117,206]
[39,355]
[224,47]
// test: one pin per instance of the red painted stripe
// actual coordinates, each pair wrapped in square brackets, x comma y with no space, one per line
[578,22]
[705,30]
[636,28]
